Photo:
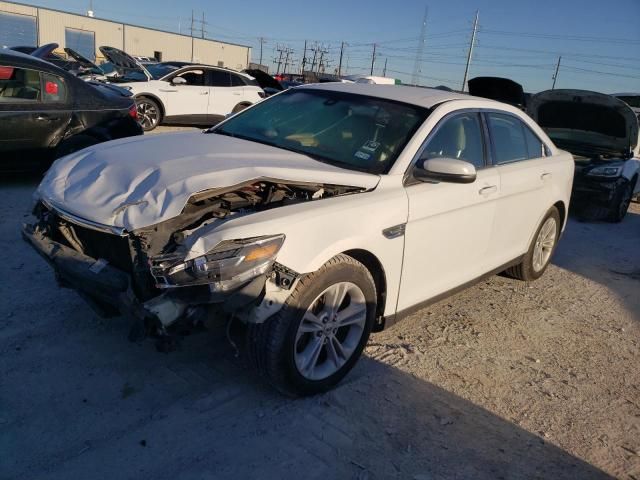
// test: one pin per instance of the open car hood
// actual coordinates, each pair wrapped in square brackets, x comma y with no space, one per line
[44,51]
[124,63]
[136,182]
[82,61]
[586,123]
[264,79]
[497,88]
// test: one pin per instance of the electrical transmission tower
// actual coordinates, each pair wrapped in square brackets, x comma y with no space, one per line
[417,67]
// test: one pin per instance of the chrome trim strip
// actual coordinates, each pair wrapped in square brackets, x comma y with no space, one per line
[83,222]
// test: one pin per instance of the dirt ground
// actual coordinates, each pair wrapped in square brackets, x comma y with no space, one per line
[506,380]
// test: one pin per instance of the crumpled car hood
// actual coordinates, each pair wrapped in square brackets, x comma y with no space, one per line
[137,182]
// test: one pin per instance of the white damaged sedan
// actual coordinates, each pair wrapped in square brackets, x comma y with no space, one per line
[315,217]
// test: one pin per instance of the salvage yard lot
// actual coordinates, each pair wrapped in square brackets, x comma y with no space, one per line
[504,380]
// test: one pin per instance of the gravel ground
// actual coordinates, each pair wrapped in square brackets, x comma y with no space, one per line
[505,380]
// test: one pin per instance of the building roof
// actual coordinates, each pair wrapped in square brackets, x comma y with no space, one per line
[424,97]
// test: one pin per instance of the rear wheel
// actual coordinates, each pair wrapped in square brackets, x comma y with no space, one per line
[319,334]
[149,113]
[621,202]
[544,243]
[240,107]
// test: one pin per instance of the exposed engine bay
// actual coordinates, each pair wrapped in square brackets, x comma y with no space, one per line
[144,267]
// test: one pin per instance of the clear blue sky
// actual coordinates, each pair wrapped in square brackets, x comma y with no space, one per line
[599,40]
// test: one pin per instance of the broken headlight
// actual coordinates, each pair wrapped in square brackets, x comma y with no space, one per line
[605,171]
[228,266]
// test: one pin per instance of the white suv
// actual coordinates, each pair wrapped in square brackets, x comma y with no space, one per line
[315,217]
[184,94]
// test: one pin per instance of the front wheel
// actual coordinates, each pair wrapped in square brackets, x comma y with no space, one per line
[149,113]
[319,334]
[544,243]
[621,202]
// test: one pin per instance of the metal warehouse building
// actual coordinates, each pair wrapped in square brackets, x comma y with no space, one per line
[24,25]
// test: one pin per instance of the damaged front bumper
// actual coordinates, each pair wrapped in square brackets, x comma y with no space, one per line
[109,290]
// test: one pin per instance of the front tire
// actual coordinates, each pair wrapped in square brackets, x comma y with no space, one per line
[149,113]
[542,247]
[320,332]
[621,202]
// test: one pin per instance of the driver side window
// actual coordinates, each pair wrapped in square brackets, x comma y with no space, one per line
[459,137]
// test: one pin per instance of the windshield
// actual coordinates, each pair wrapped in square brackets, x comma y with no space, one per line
[350,131]
[158,70]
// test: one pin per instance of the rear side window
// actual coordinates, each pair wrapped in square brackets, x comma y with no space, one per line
[220,78]
[535,147]
[19,85]
[508,137]
[459,137]
[237,81]
[54,89]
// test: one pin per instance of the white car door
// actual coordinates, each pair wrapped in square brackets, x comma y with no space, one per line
[224,95]
[447,236]
[188,99]
[527,177]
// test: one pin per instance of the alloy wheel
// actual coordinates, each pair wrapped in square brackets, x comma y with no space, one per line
[330,331]
[545,243]
[148,114]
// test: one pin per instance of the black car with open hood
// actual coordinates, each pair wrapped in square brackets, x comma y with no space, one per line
[46,112]
[601,132]
[497,88]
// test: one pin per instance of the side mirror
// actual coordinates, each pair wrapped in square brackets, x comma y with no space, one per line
[178,81]
[444,169]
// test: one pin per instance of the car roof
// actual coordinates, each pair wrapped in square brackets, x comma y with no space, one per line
[18,59]
[422,97]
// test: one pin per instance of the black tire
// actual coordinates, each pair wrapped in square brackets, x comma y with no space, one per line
[271,345]
[525,270]
[621,202]
[73,144]
[240,107]
[149,113]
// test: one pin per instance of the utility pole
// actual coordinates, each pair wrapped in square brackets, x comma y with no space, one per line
[555,75]
[384,71]
[191,24]
[320,64]
[417,66]
[261,39]
[304,58]
[340,63]
[315,52]
[202,30]
[286,59]
[373,58]
[279,60]
[473,41]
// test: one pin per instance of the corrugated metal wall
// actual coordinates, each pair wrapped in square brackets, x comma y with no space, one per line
[143,42]
[134,40]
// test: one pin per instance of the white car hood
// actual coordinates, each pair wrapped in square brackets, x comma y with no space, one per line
[137,182]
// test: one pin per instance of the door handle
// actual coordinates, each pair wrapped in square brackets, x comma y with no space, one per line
[237,93]
[488,190]
[546,176]
[204,93]
[46,118]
